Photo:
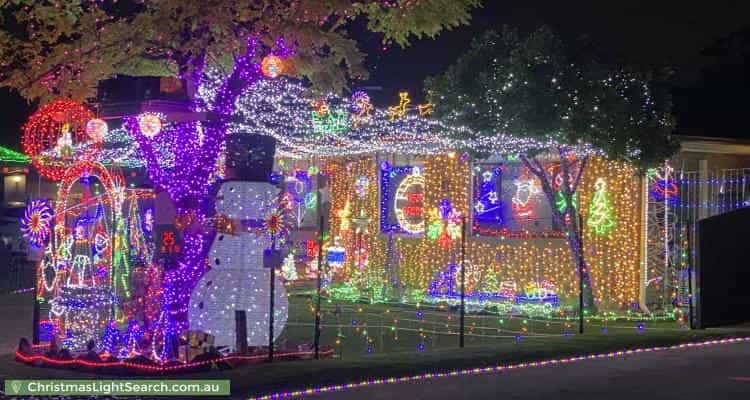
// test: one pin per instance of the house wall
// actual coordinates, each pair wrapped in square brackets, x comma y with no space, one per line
[689,161]
[613,258]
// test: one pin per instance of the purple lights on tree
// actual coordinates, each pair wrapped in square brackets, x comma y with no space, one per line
[184,171]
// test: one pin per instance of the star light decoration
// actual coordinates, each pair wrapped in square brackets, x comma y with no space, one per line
[345,217]
[361,223]
[36,224]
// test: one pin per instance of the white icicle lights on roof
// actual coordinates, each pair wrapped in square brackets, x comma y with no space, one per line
[332,126]
[336,126]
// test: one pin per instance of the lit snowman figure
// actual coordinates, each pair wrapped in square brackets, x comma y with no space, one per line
[237,279]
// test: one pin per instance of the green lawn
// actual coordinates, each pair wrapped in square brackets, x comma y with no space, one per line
[357,330]
[394,345]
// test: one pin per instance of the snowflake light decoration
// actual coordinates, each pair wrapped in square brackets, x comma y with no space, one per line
[276,222]
[36,224]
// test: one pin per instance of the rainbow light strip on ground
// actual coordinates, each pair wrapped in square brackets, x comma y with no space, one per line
[488,370]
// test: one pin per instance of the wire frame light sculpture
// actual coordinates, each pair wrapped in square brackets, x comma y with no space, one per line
[36,224]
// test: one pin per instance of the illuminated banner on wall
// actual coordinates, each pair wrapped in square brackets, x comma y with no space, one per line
[402,199]
[508,201]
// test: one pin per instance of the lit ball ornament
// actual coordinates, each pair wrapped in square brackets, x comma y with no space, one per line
[271,66]
[55,137]
[96,129]
[36,224]
[150,124]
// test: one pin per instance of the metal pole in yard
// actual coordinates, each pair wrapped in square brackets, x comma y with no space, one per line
[273,295]
[240,323]
[580,274]
[689,277]
[35,317]
[463,282]
[317,290]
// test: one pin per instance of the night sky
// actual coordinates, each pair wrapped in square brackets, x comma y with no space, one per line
[710,90]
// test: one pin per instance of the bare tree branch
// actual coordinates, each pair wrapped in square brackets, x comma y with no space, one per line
[539,172]
[581,168]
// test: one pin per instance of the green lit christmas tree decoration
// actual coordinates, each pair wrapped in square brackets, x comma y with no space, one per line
[139,249]
[289,269]
[600,212]
[121,265]
[491,284]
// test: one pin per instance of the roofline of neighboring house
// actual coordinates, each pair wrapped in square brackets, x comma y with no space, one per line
[11,156]
[703,144]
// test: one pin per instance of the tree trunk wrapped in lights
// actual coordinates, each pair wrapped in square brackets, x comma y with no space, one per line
[566,215]
[187,180]
[537,86]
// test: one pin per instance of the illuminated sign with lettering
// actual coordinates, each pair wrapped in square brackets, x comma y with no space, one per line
[402,202]
[168,241]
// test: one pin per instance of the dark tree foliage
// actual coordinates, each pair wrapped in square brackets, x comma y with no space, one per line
[537,86]
[52,48]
